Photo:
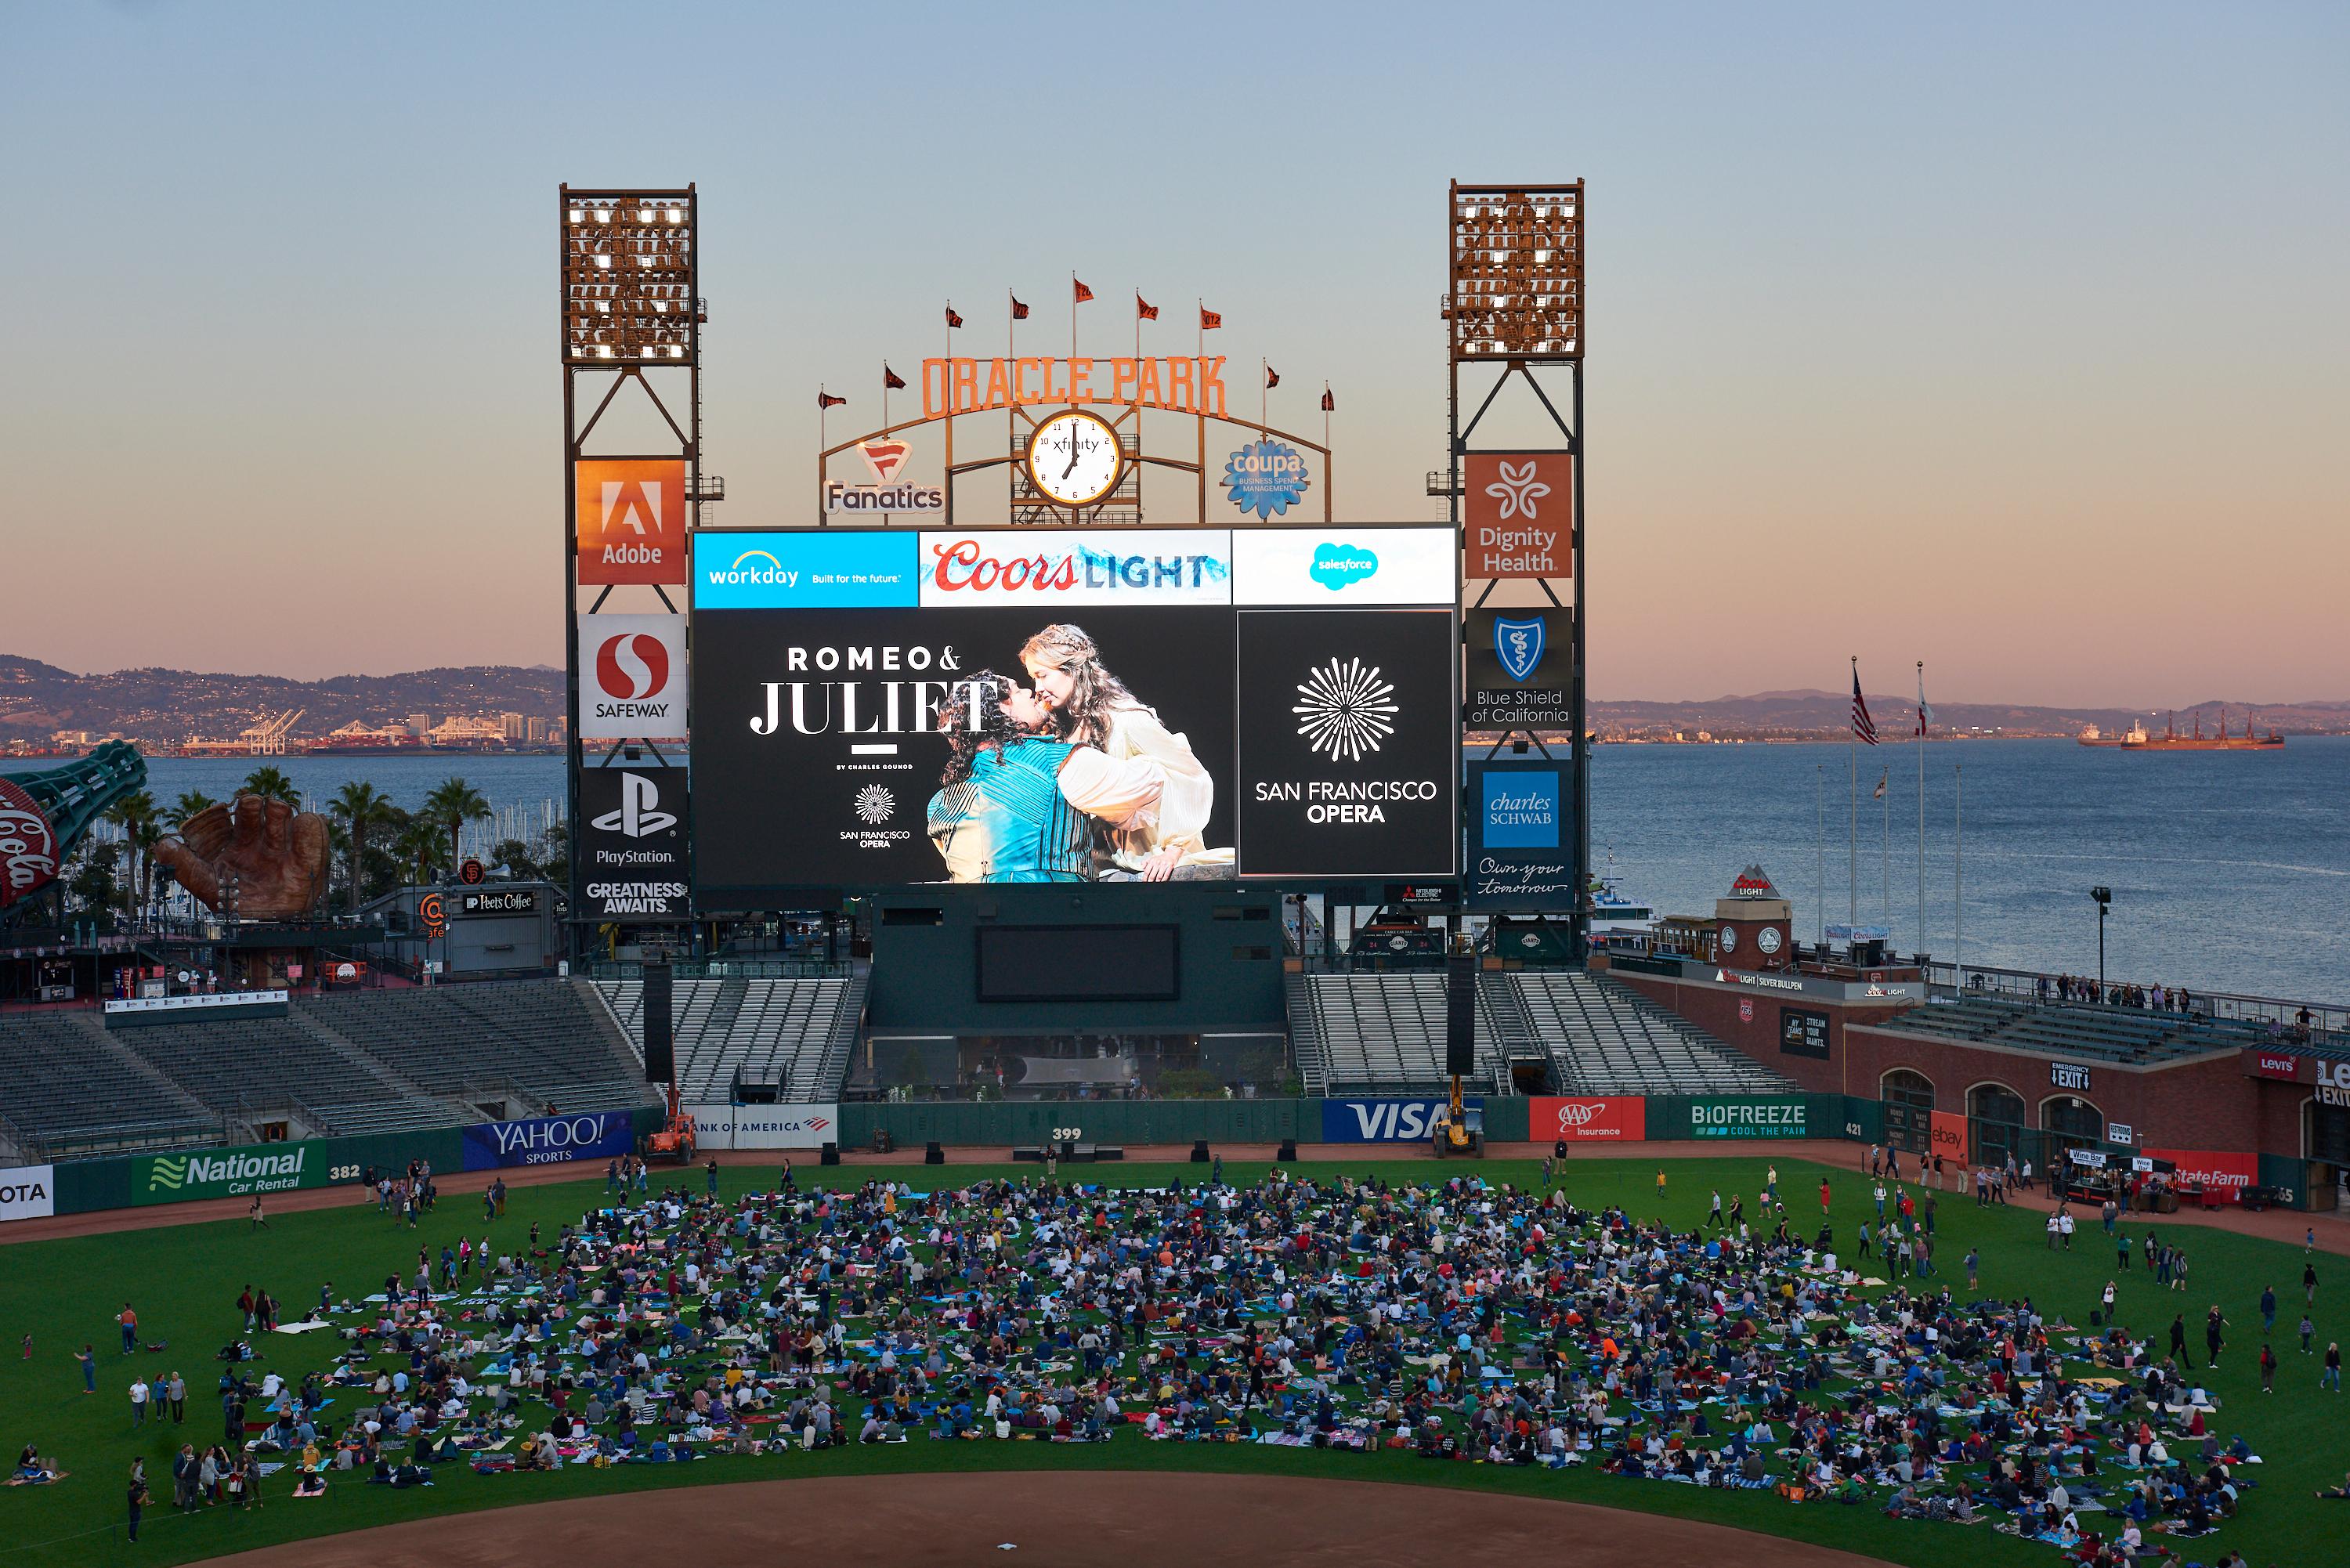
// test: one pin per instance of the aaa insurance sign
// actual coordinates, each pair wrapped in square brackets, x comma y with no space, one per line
[630,513]
[631,677]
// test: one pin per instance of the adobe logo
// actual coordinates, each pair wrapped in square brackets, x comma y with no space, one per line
[630,515]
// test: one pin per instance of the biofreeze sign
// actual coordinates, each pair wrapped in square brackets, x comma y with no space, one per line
[1747,1118]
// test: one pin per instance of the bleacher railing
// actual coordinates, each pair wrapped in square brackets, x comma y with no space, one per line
[2035,987]
[728,969]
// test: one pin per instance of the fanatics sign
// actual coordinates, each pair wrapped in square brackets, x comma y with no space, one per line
[1518,515]
[632,519]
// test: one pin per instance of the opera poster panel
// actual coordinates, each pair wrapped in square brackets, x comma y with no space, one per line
[1348,747]
[634,827]
[1137,724]
[1522,835]
[549,1140]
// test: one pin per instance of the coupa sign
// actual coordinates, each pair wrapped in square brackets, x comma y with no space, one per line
[225,1173]
[549,1140]
[1384,1121]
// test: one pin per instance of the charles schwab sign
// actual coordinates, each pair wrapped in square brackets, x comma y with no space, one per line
[1521,855]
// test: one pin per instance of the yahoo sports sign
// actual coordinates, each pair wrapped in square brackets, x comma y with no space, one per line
[549,1140]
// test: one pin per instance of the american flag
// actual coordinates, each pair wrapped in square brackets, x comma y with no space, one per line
[1925,712]
[1863,726]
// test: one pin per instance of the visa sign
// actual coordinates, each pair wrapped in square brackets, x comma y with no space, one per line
[1384,1121]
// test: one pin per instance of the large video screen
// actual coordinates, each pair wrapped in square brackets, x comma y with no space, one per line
[880,708]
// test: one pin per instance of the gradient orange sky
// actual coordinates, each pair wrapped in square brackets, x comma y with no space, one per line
[2008,339]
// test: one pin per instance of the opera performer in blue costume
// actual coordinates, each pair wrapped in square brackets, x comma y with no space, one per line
[1014,806]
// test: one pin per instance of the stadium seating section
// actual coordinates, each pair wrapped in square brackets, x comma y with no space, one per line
[1384,1034]
[2101,1033]
[367,1061]
[794,1035]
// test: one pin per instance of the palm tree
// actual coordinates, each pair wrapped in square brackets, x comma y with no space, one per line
[135,814]
[417,843]
[454,804]
[357,807]
[192,803]
[270,783]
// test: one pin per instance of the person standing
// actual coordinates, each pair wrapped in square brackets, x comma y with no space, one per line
[1823,1197]
[89,1369]
[177,1391]
[140,1394]
[2268,1310]
[2332,1376]
[1974,1259]
[2268,1367]
[2064,1227]
[137,1497]
[2309,1279]
[2308,1329]
[183,1478]
[260,1222]
[128,1321]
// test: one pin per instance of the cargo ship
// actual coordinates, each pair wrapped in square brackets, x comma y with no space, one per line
[2137,739]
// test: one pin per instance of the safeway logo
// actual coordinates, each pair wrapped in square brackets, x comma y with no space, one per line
[634,677]
[885,458]
[629,667]
[638,814]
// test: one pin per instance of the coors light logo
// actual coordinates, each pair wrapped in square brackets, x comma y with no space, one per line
[28,846]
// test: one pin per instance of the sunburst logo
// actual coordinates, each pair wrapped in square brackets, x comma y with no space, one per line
[875,803]
[1345,709]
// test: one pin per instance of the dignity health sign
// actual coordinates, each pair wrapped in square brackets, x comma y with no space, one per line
[549,1140]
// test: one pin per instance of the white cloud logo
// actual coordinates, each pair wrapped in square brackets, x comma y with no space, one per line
[1517,490]
[874,805]
[1345,709]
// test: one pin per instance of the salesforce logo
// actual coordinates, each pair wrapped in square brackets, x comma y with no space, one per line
[1335,567]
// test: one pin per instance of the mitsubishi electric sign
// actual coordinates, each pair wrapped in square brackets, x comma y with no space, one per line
[549,1140]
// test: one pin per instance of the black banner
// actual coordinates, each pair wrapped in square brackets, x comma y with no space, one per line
[1348,750]
[1522,835]
[1518,666]
[633,832]
[1804,1033]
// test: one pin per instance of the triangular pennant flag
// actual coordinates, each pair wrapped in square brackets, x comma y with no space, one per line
[1210,319]
[953,319]
[1019,311]
[1083,292]
[891,380]
[1143,310]
[827,401]
[1271,377]
[1328,402]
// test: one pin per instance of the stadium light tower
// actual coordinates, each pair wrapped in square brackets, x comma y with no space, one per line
[2104,902]
[630,310]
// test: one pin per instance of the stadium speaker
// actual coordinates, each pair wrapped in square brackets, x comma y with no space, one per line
[1460,1014]
[1199,1151]
[932,1154]
[660,1047]
[829,1155]
[1288,1155]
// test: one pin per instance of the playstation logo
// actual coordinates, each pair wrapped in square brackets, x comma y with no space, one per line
[636,818]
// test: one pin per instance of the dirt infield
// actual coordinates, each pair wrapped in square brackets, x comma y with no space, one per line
[2332,1229]
[1135,1519]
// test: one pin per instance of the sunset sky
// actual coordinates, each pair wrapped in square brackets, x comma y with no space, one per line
[2009,338]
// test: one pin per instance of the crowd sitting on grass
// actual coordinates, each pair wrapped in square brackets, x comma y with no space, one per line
[1458,1321]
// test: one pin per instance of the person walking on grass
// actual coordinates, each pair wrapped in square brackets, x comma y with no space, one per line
[177,1391]
[137,1497]
[1974,1261]
[2212,1339]
[1714,1218]
[2309,1281]
[2179,1341]
[140,1394]
[2268,1310]
[2308,1329]
[2268,1367]
[2332,1376]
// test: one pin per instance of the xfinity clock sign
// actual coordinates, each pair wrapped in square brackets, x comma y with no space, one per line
[549,1140]
[1384,1121]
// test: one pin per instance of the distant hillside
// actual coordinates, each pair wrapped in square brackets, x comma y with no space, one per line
[36,700]
[1811,713]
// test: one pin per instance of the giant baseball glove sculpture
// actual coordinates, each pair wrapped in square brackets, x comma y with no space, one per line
[278,856]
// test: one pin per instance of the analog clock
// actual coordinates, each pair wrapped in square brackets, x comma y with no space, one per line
[1768,938]
[1729,939]
[1074,458]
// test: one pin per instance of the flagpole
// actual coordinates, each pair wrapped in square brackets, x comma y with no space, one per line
[1263,396]
[1199,364]
[1852,839]
[1958,873]
[1819,848]
[1885,861]
[1921,806]
[946,372]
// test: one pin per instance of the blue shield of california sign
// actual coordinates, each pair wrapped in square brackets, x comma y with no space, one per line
[1265,477]
[1518,645]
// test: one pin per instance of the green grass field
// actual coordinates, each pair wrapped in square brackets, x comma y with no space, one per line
[184,1281]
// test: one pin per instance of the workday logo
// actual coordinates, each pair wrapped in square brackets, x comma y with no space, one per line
[1338,567]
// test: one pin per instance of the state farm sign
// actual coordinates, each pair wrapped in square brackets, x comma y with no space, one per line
[1518,515]
[1588,1118]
